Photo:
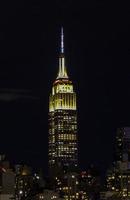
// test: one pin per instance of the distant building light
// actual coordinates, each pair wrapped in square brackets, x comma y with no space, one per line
[20,192]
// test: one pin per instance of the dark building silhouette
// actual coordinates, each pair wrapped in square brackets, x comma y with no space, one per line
[122,147]
[23,182]
[118,176]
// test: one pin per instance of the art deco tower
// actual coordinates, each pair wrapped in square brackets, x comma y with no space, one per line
[62,120]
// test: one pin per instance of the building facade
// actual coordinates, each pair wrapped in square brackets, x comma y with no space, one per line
[7,179]
[122,147]
[63,151]
[118,176]
[47,195]
[23,182]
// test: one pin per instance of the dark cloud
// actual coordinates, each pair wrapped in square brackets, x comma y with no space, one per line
[13,94]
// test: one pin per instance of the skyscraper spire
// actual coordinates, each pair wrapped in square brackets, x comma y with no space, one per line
[62,73]
[62,40]
[63,141]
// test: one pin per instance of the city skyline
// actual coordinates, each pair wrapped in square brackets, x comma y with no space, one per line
[98,49]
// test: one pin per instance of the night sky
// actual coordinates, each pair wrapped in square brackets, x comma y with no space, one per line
[97,49]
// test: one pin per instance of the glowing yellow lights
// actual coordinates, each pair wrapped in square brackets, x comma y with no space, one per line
[65,88]
[62,69]
[62,120]
[62,97]
[67,136]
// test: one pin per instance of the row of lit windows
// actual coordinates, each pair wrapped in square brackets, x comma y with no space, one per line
[62,122]
[63,152]
[67,126]
[66,145]
[67,136]
[68,150]
[70,126]
[64,156]
[62,143]
[63,117]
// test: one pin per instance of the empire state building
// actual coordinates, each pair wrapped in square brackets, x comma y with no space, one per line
[63,151]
